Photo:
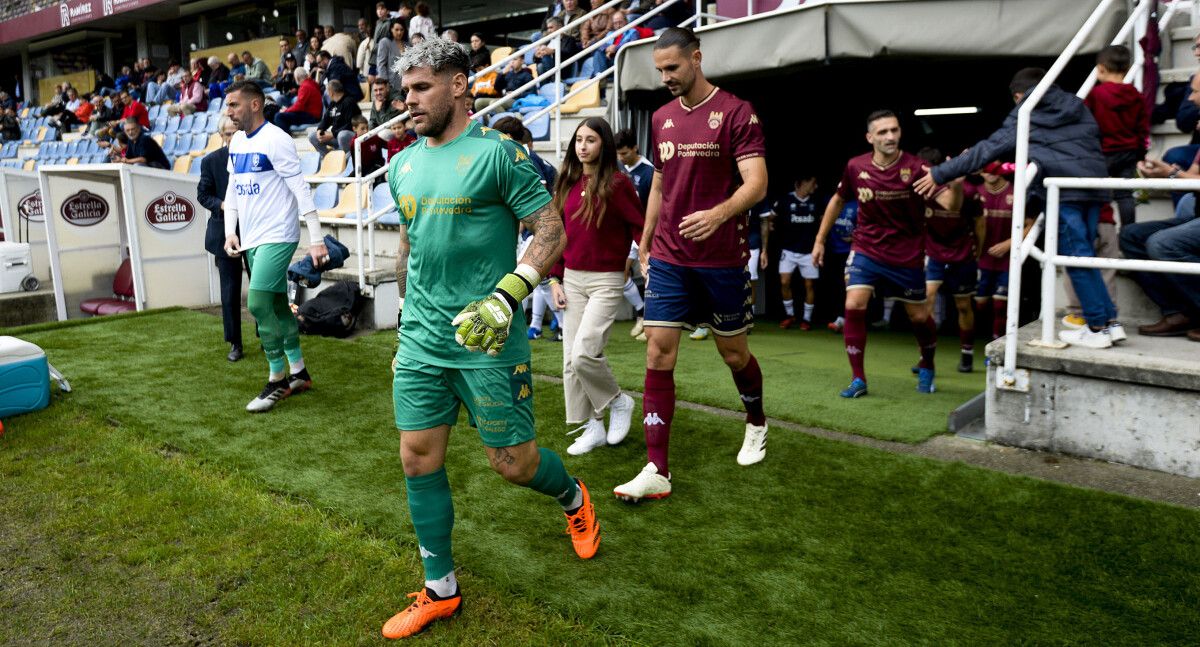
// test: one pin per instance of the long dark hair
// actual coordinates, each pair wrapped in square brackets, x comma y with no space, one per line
[599,186]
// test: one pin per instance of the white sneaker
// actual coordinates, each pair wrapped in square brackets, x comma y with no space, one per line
[593,436]
[648,484]
[1073,322]
[1116,332]
[272,393]
[641,336]
[754,446]
[620,413]
[637,328]
[1086,337]
[700,333]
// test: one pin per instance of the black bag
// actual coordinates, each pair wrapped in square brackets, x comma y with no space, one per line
[333,312]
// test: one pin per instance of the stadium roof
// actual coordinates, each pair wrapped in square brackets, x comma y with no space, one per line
[838,29]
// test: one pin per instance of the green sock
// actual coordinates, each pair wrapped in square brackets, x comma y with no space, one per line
[261,304]
[432,513]
[553,480]
[289,329]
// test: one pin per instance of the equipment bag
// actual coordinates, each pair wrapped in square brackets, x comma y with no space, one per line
[333,312]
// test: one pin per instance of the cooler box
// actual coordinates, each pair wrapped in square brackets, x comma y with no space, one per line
[24,377]
[15,264]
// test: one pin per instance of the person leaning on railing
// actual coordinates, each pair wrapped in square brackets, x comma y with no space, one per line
[1177,239]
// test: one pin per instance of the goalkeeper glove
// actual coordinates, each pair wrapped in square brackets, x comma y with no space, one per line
[484,325]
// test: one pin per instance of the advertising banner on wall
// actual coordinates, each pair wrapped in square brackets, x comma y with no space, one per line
[23,217]
[64,16]
[167,225]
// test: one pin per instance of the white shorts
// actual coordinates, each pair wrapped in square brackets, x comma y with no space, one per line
[633,251]
[791,261]
[753,266]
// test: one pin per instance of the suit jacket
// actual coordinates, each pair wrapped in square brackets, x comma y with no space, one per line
[210,192]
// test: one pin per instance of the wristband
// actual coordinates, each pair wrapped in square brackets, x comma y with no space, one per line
[517,285]
[313,223]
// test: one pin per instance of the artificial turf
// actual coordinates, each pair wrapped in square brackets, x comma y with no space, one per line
[825,542]
[803,371]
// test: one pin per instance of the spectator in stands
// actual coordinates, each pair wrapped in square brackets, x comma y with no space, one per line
[545,53]
[285,81]
[301,47]
[103,114]
[485,88]
[214,179]
[285,48]
[479,51]
[105,85]
[159,90]
[672,16]
[306,109]
[1120,111]
[142,148]
[382,32]
[342,45]
[405,14]
[383,107]
[311,66]
[118,147]
[515,76]
[422,23]
[566,11]
[416,39]
[362,57]
[452,36]
[65,119]
[256,70]
[6,101]
[175,73]
[334,68]
[200,71]
[387,52]
[334,129]
[218,77]
[364,30]
[123,78]
[10,126]
[134,109]
[192,99]
[619,37]
[314,45]
[1178,239]
[1064,142]
[595,29]
[236,66]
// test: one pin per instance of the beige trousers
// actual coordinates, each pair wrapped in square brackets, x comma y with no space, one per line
[592,302]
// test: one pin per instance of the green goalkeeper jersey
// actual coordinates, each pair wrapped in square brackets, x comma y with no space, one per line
[462,202]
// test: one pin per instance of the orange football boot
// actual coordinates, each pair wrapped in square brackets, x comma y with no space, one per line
[420,614]
[583,526]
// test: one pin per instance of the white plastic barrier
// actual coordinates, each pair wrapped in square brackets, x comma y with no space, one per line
[21,212]
[99,214]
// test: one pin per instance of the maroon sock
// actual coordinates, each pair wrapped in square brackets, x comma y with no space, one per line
[926,333]
[855,334]
[966,339]
[749,384]
[658,405]
[999,317]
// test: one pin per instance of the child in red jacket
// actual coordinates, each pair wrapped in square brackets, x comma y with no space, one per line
[1120,111]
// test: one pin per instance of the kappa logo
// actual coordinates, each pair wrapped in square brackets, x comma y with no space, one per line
[521,369]
[652,419]
[666,150]
[668,124]
[520,156]
[408,206]
[853,350]
[753,119]
[425,552]
[865,194]
[525,392]
[864,175]
[714,119]
[751,398]
[406,168]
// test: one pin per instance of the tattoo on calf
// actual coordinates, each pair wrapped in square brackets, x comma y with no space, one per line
[501,456]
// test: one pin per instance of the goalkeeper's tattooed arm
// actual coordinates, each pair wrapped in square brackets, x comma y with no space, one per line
[402,262]
[549,239]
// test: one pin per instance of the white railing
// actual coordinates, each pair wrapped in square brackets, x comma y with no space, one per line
[1052,260]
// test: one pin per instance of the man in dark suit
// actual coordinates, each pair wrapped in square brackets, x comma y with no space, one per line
[214,177]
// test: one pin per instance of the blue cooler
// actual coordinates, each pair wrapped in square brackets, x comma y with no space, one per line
[24,377]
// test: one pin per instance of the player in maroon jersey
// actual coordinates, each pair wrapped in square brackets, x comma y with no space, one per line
[950,245]
[694,247]
[995,201]
[887,252]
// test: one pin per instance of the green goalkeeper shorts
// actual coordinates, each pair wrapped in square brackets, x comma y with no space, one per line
[268,266]
[499,400]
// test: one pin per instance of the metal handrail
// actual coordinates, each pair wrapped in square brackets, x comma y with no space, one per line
[1052,260]
[1007,375]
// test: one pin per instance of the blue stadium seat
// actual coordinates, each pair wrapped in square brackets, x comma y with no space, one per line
[50,135]
[154,112]
[309,162]
[325,196]
[199,122]
[199,141]
[540,128]
[168,143]
[72,149]
[100,158]
[194,169]
[159,125]
[381,196]
[216,104]
[548,91]
[493,118]
[183,144]
[172,125]
[185,123]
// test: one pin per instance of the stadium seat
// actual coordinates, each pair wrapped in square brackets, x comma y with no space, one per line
[72,149]
[308,162]
[24,112]
[198,143]
[325,195]
[72,161]
[500,53]
[172,125]
[547,90]
[215,105]
[168,143]
[122,300]
[159,138]
[195,167]
[500,115]
[182,164]
[589,97]
[185,123]
[345,206]
[334,164]
[214,142]
[154,112]
[214,120]
[540,128]
[200,123]
[381,196]
[31,164]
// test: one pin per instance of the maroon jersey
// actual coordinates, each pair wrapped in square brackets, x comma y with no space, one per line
[995,207]
[949,235]
[697,150]
[891,216]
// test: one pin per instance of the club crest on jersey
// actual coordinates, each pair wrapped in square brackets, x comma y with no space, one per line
[1008,199]
[905,174]
[666,150]
[668,124]
[464,164]
[408,206]
[714,119]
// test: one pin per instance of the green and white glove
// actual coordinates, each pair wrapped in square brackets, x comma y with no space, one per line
[484,325]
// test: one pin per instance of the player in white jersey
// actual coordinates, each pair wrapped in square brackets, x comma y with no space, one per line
[267,195]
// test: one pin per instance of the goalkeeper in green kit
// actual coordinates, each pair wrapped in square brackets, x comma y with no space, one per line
[462,190]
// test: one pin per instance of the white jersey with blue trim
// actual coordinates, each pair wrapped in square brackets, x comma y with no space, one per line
[266,187]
